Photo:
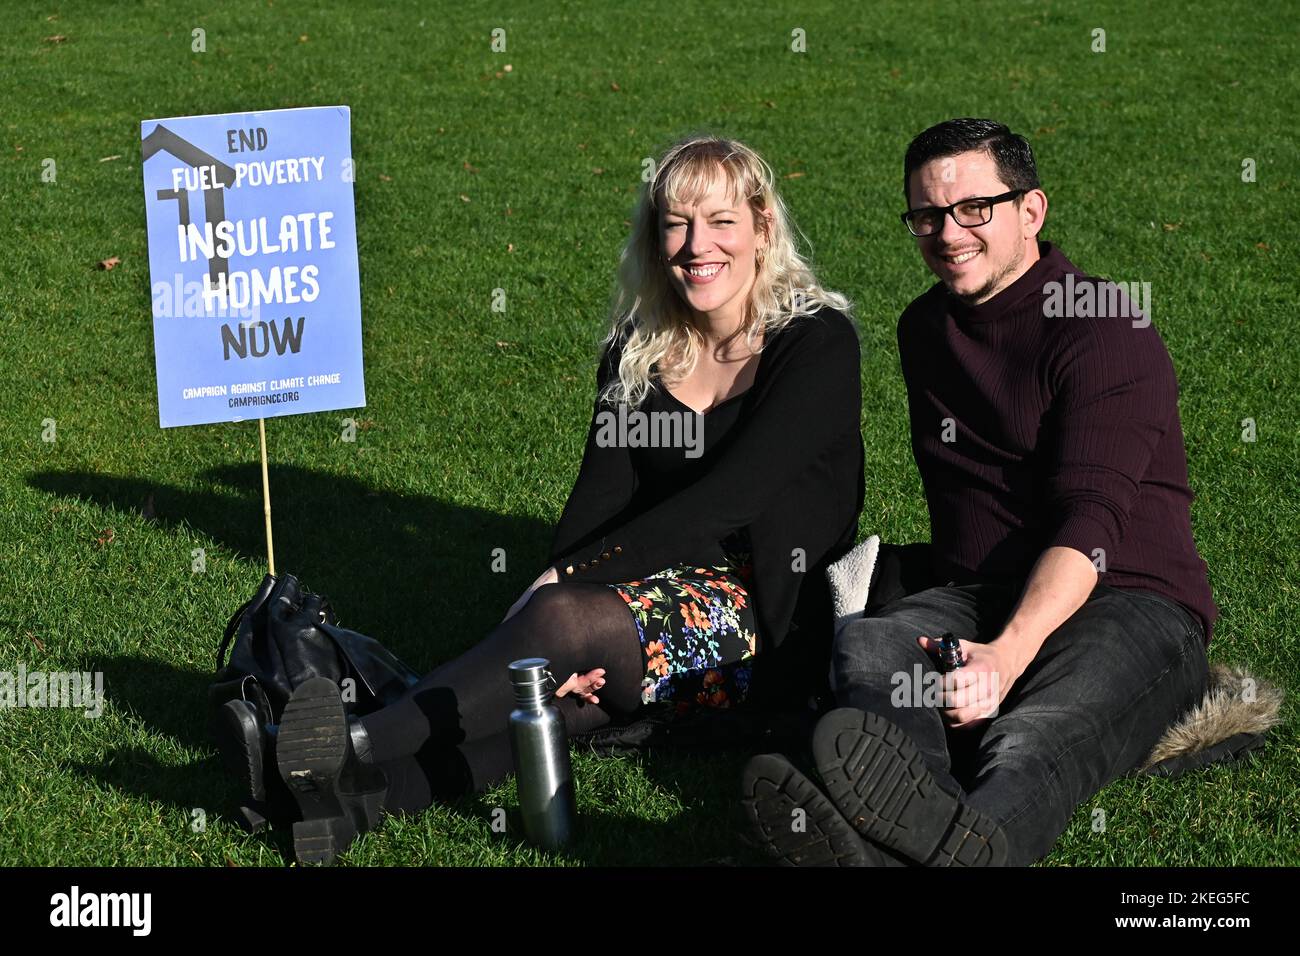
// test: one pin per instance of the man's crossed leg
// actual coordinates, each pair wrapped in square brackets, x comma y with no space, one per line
[1101,691]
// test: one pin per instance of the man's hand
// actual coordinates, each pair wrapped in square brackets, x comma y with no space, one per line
[549,576]
[1058,585]
[973,693]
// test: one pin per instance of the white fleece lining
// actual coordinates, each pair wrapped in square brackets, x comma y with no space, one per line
[850,580]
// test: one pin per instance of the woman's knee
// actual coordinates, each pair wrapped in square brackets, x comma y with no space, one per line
[580,626]
[559,608]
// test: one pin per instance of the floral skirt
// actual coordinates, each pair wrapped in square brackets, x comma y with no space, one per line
[697,630]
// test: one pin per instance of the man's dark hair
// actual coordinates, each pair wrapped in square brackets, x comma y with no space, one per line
[1010,151]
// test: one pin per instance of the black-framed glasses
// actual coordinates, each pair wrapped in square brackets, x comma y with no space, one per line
[976,211]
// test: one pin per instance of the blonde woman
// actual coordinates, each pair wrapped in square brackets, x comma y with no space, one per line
[723,471]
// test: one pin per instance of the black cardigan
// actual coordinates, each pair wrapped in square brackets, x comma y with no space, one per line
[792,475]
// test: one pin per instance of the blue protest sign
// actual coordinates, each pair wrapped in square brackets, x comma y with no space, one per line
[253,264]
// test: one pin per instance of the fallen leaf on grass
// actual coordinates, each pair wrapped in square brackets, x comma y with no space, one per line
[615,87]
[105,537]
[464,198]
[795,175]
[109,263]
[57,38]
[37,641]
[469,168]
[504,345]
[387,179]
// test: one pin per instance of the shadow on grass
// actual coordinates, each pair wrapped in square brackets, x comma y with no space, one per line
[705,832]
[200,786]
[170,701]
[709,830]
[410,570]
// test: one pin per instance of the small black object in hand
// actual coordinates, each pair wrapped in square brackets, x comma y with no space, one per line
[950,653]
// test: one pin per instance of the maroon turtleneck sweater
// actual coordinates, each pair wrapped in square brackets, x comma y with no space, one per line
[1060,432]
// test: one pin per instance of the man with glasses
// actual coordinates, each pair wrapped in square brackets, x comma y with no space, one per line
[1060,556]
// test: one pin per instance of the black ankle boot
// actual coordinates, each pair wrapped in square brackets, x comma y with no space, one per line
[338,795]
[247,748]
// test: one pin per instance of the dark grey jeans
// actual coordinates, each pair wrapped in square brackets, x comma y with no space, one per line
[1089,708]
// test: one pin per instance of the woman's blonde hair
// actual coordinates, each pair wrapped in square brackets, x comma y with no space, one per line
[650,318]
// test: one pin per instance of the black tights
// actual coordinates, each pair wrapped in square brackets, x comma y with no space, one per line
[447,735]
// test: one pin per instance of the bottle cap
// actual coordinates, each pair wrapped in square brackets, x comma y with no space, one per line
[530,670]
[533,682]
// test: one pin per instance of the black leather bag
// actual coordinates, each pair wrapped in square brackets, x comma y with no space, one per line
[284,635]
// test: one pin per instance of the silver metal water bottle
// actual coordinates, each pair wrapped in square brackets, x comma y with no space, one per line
[540,745]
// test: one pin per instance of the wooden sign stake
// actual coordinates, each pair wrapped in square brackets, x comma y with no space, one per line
[266,499]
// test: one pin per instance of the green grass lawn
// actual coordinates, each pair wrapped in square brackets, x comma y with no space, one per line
[471,178]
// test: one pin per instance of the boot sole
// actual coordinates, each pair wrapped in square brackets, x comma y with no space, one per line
[311,752]
[879,781]
[772,790]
